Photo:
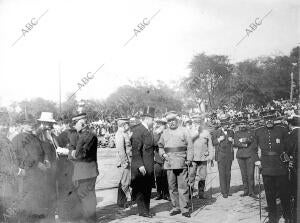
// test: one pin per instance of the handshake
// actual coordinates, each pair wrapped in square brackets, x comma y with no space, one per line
[62,151]
[221,138]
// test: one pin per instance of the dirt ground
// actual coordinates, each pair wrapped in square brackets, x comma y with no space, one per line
[214,210]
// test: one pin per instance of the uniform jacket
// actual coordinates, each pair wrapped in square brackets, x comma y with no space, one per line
[85,158]
[202,143]
[246,143]
[224,148]
[123,146]
[177,144]
[293,144]
[272,142]
[142,151]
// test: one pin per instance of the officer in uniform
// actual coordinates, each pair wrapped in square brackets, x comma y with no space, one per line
[222,139]
[8,176]
[123,146]
[176,148]
[203,154]
[293,144]
[272,142]
[246,155]
[160,173]
[85,169]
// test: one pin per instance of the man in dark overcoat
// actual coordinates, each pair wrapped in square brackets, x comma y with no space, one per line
[142,167]
[222,139]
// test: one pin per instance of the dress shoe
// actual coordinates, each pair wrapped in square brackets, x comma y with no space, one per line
[225,195]
[174,212]
[146,215]
[229,194]
[186,214]
[253,196]
[244,194]
[201,196]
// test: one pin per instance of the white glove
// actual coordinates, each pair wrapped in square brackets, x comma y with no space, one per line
[221,138]
[21,172]
[142,170]
[258,163]
[62,151]
[230,139]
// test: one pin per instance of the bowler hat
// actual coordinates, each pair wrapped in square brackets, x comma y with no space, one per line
[171,115]
[79,116]
[149,111]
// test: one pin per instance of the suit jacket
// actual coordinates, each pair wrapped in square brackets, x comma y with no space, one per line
[246,143]
[142,151]
[224,148]
[293,144]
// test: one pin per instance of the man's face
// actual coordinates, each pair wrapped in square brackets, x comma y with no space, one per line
[4,129]
[243,126]
[270,123]
[173,124]
[46,125]
[126,126]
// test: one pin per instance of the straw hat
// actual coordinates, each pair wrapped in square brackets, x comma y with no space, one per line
[47,117]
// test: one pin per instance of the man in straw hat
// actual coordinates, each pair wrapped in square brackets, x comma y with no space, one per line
[177,151]
[142,166]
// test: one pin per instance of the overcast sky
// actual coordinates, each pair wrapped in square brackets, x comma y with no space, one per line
[82,35]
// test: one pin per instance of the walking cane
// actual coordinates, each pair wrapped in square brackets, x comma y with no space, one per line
[259,191]
[190,190]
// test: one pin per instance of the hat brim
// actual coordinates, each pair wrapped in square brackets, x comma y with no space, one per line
[49,120]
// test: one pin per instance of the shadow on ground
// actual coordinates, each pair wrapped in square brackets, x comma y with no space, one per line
[112,212]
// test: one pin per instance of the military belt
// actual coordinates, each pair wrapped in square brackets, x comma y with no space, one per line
[270,153]
[175,149]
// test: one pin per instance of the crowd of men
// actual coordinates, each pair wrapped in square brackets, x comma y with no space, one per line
[48,174]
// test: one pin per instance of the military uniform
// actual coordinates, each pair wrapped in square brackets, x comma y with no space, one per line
[203,153]
[246,155]
[224,157]
[177,144]
[272,142]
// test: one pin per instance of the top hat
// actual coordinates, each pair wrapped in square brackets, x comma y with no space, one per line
[79,116]
[149,112]
[47,117]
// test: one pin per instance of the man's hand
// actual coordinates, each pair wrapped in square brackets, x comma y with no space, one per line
[42,166]
[47,164]
[258,164]
[125,165]
[166,157]
[142,170]
[62,151]
[291,164]
[230,139]
[21,172]
[221,138]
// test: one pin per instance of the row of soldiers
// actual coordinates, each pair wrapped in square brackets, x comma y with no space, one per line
[45,177]
[186,151]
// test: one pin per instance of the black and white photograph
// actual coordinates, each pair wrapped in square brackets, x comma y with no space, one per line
[149,111]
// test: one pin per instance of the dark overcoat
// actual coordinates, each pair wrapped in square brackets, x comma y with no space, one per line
[224,148]
[142,152]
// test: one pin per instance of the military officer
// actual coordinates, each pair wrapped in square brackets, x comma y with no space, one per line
[203,154]
[142,165]
[124,148]
[293,144]
[222,139]
[272,142]
[160,173]
[176,148]
[246,155]
[85,169]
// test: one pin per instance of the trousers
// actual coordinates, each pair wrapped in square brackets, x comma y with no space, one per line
[224,167]
[161,179]
[179,189]
[247,171]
